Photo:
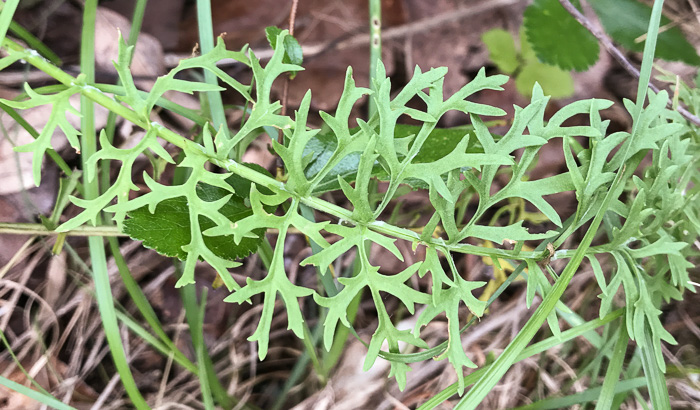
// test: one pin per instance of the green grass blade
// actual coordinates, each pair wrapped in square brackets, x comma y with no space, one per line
[105,302]
[145,307]
[35,395]
[655,378]
[647,61]
[206,43]
[15,359]
[202,354]
[156,343]
[137,22]
[204,362]
[612,374]
[536,348]
[583,397]
[8,11]
[103,291]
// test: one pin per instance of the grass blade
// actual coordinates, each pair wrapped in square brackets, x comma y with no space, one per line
[536,348]
[583,397]
[33,394]
[206,43]
[612,374]
[202,354]
[655,378]
[8,11]
[103,291]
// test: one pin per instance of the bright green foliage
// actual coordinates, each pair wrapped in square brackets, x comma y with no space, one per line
[557,38]
[525,66]
[502,50]
[627,20]
[321,146]
[61,107]
[649,225]
[549,77]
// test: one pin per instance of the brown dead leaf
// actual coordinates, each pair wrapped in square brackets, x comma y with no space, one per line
[161,20]
[148,53]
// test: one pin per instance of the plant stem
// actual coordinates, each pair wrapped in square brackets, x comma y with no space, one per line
[136,22]
[232,166]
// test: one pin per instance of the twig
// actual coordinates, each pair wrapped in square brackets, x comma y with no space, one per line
[618,55]
[285,90]
[427,24]
[375,49]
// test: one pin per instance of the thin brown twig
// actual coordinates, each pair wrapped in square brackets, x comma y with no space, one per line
[362,39]
[285,90]
[618,55]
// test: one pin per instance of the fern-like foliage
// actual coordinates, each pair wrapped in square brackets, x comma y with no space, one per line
[658,211]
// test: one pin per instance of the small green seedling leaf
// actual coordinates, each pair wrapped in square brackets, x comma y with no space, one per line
[502,50]
[553,80]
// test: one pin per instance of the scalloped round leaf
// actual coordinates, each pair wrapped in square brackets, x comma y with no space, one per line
[241,186]
[626,20]
[554,81]
[557,38]
[167,230]
[440,142]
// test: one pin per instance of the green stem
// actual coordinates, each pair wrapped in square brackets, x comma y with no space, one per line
[319,204]
[136,22]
